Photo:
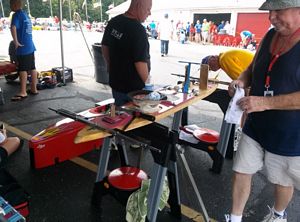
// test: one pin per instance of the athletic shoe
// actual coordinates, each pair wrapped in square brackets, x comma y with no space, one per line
[227,217]
[273,217]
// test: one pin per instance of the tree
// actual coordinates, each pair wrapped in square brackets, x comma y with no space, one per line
[41,8]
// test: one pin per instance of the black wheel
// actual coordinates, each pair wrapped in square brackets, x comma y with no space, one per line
[11,77]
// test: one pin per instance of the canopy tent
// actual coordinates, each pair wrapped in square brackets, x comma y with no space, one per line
[187,7]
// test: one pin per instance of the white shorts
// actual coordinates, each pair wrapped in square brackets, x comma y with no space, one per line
[251,157]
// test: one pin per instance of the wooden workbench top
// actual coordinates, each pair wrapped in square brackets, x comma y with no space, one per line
[183,101]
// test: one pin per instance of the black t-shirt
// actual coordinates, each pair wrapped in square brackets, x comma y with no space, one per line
[128,43]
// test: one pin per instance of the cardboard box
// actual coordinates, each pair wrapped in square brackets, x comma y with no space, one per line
[68,74]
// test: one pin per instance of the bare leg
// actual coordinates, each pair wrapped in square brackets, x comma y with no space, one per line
[34,75]
[283,196]
[23,82]
[240,192]
[11,144]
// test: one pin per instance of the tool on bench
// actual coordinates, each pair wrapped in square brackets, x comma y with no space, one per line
[187,75]
[197,79]
[79,118]
[135,113]
[114,132]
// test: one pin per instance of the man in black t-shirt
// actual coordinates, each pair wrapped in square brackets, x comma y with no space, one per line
[125,48]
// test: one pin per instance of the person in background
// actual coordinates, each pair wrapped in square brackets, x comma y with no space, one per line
[8,145]
[198,27]
[233,63]
[227,28]
[204,31]
[271,134]
[182,36]
[125,48]
[246,37]
[152,26]
[221,26]
[192,32]
[253,43]
[187,30]
[21,31]
[212,31]
[179,26]
[165,31]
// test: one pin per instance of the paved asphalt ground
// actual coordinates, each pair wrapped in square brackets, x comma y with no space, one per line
[63,192]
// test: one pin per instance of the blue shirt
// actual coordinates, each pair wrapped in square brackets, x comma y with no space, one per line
[247,33]
[277,131]
[22,22]
[198,28]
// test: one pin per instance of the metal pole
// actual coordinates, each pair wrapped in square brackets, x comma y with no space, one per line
[2,9]
[100,2]
[61,43]
[86,12]
[70,11]
[51,11]
[28,7]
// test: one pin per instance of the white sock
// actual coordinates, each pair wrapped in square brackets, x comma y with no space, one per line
[235,218]
[281,213]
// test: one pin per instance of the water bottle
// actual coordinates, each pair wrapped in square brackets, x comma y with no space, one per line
[149,85]
[2,102]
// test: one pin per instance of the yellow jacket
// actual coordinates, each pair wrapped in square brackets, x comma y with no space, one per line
[235,61]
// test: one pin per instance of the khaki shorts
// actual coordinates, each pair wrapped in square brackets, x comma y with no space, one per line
[251,157]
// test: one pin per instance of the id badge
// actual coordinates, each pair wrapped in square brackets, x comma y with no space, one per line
[268,93]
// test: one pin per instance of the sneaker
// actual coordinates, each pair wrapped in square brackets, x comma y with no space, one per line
[273,217]
[227,217]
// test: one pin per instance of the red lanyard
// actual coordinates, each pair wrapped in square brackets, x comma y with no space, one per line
[276,56]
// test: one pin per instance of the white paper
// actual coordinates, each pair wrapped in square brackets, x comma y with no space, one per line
[2,137]
[234,112]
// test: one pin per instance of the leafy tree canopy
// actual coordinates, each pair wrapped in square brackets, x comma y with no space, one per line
[41,8]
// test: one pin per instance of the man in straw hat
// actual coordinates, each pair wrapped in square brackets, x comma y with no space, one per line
[271,134]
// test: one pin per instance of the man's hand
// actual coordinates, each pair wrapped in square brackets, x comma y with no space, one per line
[17,44]
[253,103]
[233,85]
[3,131]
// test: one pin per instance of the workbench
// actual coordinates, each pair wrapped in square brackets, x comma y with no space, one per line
[163,143]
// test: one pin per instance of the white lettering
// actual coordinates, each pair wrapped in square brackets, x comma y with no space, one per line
[116,34]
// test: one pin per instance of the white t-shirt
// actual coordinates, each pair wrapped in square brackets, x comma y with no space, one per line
[2,137]
[165,29]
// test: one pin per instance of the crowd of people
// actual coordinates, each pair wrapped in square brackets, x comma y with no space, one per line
[200,32]
[203,32]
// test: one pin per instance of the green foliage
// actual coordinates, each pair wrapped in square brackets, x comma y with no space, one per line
[41,9]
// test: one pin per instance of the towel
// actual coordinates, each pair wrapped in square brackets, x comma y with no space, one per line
[136,209]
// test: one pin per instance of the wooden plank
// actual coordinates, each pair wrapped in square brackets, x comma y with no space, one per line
[88,133]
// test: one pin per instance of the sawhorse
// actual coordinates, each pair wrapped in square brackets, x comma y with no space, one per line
[163,143]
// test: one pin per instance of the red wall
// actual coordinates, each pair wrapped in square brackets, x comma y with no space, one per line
[257,23]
